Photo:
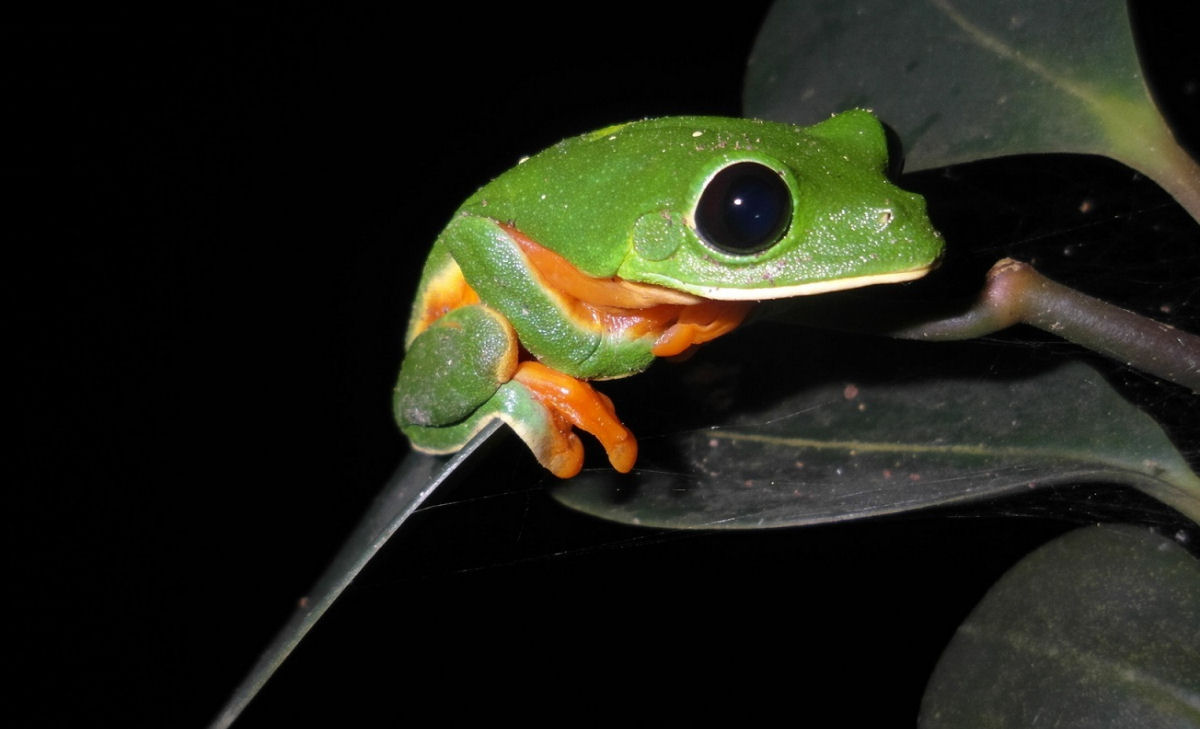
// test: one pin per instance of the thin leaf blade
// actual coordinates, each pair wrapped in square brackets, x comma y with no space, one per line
[414,480]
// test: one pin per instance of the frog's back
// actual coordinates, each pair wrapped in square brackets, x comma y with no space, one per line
[580,197]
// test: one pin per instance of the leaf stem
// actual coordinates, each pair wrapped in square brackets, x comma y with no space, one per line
[1016,293]
[1168,164]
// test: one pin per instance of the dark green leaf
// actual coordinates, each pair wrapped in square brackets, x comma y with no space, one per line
[841,450]
[961,81]
[1099,628]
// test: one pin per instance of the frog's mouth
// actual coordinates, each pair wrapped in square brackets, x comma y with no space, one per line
[809,288]
[557,274]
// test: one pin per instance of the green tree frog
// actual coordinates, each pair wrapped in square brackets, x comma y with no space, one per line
[594,257]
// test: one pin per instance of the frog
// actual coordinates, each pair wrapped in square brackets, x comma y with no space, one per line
[597,256]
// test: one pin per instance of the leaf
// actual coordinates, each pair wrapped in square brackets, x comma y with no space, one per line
[1099,628]
[962,81]
[845,449]
[414,480]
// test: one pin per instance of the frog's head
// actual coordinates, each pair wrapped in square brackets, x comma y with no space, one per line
[751,210]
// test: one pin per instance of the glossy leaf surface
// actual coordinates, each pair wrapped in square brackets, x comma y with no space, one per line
[1099,628]
[963,81]
[843,449]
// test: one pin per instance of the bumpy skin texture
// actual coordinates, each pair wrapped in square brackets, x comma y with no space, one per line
[585,262]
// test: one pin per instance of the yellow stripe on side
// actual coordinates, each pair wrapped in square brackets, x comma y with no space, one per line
[442,291]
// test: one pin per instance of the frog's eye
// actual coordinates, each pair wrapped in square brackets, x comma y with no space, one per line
[745,208]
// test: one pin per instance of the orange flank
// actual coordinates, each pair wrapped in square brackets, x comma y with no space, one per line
[572,402]
[698,324]
[676,319]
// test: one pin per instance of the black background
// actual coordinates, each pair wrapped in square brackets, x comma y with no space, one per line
[217,231]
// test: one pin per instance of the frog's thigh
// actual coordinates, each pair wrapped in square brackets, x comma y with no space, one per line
[500,273]
[454,367]
[457,377]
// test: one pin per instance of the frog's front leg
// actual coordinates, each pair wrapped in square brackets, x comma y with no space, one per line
[462,372]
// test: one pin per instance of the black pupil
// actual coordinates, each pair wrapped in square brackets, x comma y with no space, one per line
[745,208]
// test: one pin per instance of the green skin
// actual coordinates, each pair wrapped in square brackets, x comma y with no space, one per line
[620,202]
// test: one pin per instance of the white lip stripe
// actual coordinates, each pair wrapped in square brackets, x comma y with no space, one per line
[807,289]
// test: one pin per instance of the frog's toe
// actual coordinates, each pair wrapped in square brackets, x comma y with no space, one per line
[573,403]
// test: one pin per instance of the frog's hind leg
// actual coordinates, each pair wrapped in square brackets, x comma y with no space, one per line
[462,372]
[454,366]
[552,441]
[574,403]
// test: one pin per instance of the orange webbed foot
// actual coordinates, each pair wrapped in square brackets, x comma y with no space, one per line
[575,403]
